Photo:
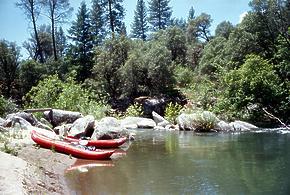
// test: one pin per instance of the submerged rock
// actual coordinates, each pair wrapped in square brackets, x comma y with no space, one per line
[223,126]
[242,126]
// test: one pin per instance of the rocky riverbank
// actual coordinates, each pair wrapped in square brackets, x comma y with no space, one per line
[41,171]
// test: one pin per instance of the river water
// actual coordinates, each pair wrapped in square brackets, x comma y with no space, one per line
[190,163]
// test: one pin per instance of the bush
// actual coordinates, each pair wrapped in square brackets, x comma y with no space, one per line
[254,83]
[134,110]
[183,76]
[172,111]
[202,92]
[205,121]
[68,95]
[7,106]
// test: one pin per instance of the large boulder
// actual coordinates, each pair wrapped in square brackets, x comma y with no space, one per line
[108,123]
[1,121]
[139,122]
[159,120]
[223,126]
[24,119]
[108,128]
[14,120]
[83,127]
[185,122]
[26,116]
[57,117]
[242,126]
[151,104]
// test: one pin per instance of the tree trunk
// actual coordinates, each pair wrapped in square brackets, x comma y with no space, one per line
[53,38]
[38,49]
[111,18]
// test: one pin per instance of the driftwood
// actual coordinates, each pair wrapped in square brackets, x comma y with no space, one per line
[276,118]
[49,116]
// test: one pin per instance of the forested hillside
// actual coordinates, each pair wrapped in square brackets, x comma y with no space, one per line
[236,72]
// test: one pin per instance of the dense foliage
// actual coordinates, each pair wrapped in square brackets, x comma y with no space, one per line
[67,95]
[236,72]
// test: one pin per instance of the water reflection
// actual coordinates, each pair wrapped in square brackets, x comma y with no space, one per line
[187,163]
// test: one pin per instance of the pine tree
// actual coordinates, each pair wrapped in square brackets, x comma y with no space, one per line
[114,15]
[97,22]
[82,38]
[32,10]
[61,41]
[159,14]
[57,12]
[139,26]
[191,13]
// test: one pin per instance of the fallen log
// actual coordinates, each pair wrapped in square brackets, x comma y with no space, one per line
[276,118]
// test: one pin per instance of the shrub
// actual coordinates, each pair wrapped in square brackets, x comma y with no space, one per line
[6,106]
[183,76]
[68,95]
[254,83]
[205,121]
[134,110]
[172,111]
[199,120]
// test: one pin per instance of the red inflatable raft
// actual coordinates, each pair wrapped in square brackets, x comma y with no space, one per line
[69,148]
[109,143]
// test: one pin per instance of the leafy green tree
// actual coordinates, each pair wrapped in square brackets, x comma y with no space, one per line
[160,70]
[30,72]
[57,12]
[82,50]
[268,20]
[199,28]
[114,15]
[97,20]
[139,25]
[148,70]
[159,14]
[212,59]
[254,83]
[282,61]
[224,29]
[240,44]
[44,34]
[134,73]
[193,54]
[9,64]
[32,10]
[109,58]
[183,76]
[67,95]
[176,43]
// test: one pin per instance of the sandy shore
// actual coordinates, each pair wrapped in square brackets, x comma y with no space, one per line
[34,171]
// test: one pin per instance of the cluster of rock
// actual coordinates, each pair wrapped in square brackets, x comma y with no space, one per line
[75,124]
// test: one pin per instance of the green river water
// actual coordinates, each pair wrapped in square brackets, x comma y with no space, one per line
[189,163]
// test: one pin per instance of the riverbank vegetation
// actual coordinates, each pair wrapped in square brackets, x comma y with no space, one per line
[234,72]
